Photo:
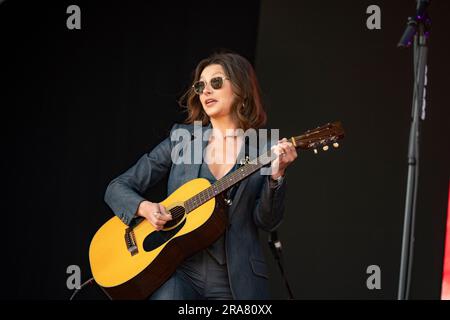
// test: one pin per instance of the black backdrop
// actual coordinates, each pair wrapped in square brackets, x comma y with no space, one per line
[80,106]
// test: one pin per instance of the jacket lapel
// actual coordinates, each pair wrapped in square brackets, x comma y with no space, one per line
[252,150]
[192,170]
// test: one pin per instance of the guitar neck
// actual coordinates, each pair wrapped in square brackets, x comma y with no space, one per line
[329,133]
[227,182]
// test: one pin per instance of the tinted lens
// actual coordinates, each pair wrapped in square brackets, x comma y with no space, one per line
[199,86]
[216,83]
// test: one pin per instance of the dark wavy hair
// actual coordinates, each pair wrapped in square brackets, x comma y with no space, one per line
[248,109]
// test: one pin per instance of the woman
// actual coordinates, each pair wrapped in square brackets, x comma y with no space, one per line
[224,97]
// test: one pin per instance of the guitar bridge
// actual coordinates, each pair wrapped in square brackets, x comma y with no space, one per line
[130,241]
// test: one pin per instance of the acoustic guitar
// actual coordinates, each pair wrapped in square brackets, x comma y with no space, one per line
[131,262]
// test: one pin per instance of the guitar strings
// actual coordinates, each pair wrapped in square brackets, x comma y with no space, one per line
[217,188]
[222,184]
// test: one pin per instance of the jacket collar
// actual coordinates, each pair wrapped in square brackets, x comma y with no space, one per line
[201,135]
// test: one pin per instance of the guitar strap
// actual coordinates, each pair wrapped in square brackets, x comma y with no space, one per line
[229,197]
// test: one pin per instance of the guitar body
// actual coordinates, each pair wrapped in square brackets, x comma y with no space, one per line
[136,274]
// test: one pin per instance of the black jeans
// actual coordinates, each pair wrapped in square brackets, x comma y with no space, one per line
[200,277]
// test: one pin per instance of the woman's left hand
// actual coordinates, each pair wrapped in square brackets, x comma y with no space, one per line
[286,154]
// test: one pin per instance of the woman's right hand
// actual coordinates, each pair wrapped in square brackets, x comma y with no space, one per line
[155,213]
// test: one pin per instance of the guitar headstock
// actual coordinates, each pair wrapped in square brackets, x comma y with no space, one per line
[320,137]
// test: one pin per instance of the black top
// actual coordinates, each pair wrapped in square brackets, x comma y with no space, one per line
[217,249]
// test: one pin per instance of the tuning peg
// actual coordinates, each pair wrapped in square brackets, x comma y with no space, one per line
[336,145]
[325,148]
[315,151]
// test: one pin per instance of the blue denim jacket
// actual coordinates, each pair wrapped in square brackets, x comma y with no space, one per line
[256,204]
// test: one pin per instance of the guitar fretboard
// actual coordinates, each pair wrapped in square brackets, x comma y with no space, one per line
[312,139]
[226,182]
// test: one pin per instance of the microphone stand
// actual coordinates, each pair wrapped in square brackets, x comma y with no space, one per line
[276,248]
[417,27]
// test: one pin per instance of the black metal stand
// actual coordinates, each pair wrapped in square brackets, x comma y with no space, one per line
[418,28]
[276,248]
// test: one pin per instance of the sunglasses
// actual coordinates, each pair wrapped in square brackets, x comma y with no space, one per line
[216,83]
